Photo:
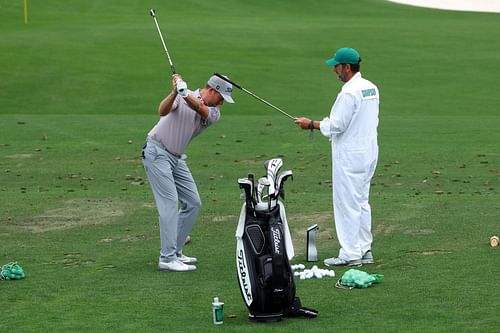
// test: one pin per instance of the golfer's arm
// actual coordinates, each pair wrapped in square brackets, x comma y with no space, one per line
[166,105]
[197,105]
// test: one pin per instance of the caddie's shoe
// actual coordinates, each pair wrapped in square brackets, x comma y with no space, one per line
[187,260]
[367,258]
[175,266]
[341,262]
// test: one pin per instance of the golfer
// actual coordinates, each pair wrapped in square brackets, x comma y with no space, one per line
[352,129]
[181,119]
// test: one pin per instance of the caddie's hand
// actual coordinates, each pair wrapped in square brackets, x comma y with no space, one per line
[302,122]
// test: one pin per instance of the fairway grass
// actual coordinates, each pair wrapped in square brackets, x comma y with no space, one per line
[80,93]
[84,229]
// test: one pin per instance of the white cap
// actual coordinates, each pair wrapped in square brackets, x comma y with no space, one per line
[223,87]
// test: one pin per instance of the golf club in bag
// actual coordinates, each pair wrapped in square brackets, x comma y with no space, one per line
[264,248]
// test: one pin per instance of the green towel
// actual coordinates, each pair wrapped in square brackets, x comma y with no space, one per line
[12,271]
[355,278]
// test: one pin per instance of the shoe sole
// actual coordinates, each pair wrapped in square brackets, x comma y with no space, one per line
[172,270]
[355,265]
[189,262]
[346,264]
[367,261]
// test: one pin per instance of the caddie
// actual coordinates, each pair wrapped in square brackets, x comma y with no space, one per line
[352,129]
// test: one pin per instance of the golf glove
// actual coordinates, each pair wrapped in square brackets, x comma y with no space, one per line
[182,88]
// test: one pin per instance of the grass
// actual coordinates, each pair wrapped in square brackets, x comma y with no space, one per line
[79,93]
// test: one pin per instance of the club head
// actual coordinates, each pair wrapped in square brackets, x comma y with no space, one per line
[260,188]
[251,177]
[245,183]
[272,167]
[264,181]
[261,185]
[152,12]
[280,183]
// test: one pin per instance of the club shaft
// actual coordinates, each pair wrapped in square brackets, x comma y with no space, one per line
[267,103]
[172,67]
[255,96]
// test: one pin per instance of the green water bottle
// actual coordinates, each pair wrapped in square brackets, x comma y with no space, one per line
[217,313]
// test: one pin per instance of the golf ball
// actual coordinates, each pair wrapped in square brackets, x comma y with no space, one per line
[494,241]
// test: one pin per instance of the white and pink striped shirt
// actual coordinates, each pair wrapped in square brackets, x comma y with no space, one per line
[176,130]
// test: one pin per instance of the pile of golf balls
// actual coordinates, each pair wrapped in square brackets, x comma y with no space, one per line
[314,272]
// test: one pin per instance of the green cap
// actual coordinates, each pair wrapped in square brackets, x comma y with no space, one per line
[345,55]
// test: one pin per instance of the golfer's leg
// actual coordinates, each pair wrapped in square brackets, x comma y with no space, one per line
[159,172]
[190,202]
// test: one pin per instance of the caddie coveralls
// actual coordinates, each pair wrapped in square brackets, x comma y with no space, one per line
[352,129]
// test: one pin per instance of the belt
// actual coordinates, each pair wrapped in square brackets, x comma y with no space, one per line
[159,144]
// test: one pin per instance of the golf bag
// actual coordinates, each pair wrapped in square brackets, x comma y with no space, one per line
[264,248]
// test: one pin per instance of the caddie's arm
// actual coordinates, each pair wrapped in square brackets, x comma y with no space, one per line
[306,123]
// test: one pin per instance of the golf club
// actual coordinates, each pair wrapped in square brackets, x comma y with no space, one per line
[251,177]
[262,183]
[247,185]
[181,85]
[153,14]
[255,96]
[272,167]
[282,177]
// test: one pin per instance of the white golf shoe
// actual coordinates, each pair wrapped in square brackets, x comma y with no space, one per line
[175,266]
[367,258]
[187,260]
[341,262]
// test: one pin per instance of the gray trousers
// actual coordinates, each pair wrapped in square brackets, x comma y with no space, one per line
[176,197]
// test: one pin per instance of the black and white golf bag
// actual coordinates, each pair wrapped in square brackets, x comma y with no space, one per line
[264,248]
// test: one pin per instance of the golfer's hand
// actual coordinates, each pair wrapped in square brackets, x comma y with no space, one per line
[302,122]
[175,78]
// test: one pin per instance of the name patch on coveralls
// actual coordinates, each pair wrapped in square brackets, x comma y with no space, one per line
[369,93]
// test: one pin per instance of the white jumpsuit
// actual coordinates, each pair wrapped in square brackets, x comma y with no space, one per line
[352,128]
